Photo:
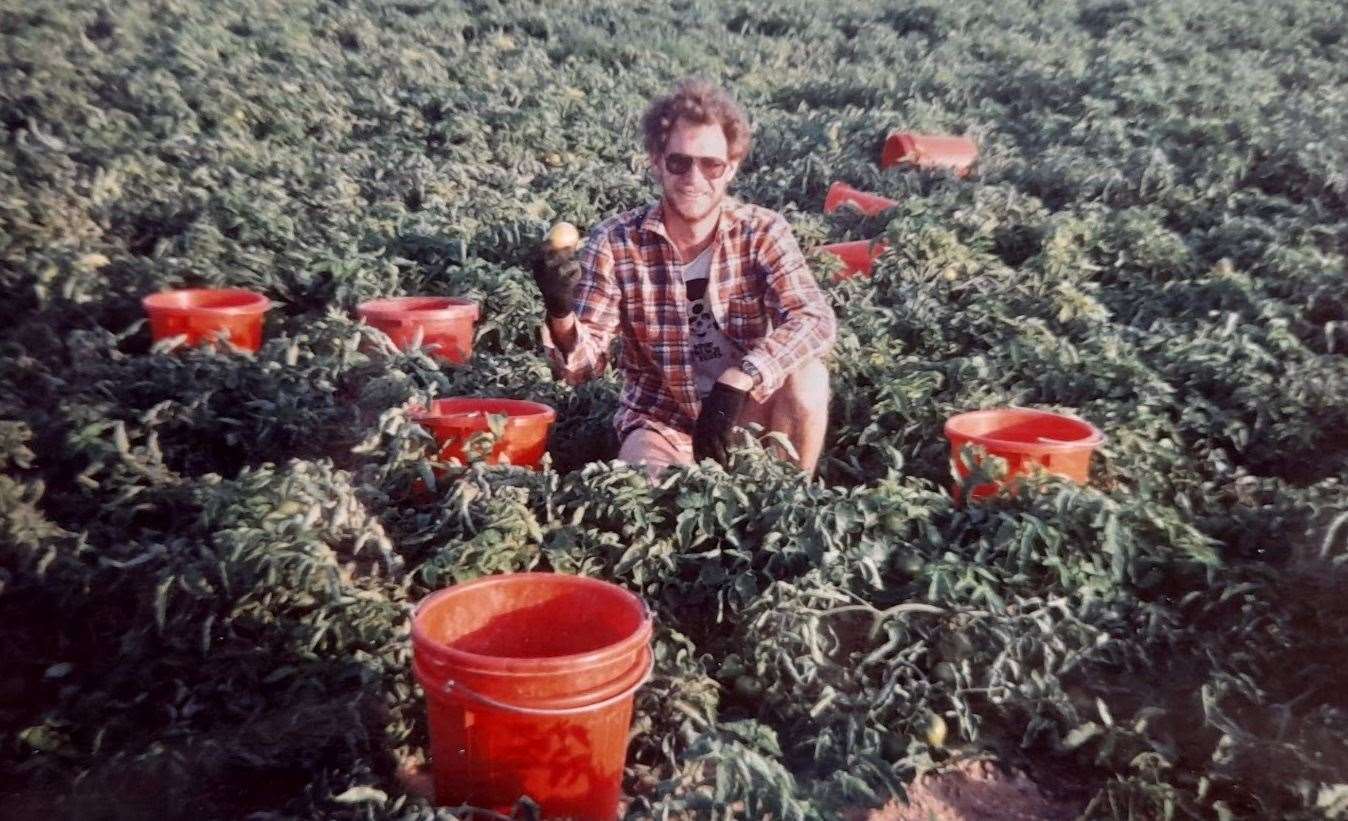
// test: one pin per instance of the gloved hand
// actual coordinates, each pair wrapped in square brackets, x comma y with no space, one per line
[556,273]
[720,410]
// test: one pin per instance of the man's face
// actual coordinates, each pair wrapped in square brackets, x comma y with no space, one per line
[693,194]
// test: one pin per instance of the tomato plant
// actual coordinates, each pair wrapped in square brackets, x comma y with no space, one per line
[208,558]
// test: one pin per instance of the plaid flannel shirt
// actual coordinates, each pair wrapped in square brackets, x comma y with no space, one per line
[760,291]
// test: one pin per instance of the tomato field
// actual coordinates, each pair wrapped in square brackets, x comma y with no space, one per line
[208,559]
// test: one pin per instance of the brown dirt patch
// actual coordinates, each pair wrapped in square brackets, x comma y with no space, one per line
[973,790]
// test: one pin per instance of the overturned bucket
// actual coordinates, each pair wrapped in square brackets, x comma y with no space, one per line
[857,257]
[1027,439]
[454,422]
[529,681]
[206,315]
[840,194]
[444,323]
[929,151]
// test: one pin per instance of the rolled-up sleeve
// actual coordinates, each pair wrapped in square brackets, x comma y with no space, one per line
[597,314]
[804,323]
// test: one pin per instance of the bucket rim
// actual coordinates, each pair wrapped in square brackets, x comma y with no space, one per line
[870,203]
[425,308]
[899,145]
[438,411]
[507,666]
[169,301]
[596,698]
[1093,439]
[876,242]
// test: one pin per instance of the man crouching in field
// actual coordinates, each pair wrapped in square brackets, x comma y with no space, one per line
[722,323]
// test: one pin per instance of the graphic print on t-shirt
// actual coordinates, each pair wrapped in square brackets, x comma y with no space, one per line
[712,352]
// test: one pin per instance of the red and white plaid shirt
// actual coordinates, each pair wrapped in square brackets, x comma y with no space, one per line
[759,289]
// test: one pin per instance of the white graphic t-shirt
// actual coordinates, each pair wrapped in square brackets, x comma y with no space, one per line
[712,351]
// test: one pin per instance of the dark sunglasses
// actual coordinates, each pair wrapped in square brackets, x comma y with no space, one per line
[679,164]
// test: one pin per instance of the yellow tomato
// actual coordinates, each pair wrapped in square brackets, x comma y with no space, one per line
[936,730]
[563,236]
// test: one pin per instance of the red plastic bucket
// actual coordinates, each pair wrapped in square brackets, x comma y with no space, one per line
[857,257]
[445,323]
[1025,438]
[840,194]
[454,421]
[204,315]
[929,151]
[529,680]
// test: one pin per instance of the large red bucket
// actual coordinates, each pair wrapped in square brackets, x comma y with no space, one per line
[529,680]
[453,422]
[205,315]
[1025,438]
[445,323]
[840,194]
[929,151]
[857,257]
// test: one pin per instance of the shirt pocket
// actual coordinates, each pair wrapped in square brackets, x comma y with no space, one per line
[746,318]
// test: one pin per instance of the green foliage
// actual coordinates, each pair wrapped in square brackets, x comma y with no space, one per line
[208,559]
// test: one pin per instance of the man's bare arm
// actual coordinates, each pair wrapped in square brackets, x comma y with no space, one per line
[563,331]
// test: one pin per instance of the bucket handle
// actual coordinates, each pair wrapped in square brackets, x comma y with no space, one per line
[452,687]
[1047,458]
[1051,441]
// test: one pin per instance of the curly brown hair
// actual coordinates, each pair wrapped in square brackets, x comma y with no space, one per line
[701,102]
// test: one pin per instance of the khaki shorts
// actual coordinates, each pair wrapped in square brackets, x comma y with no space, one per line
[650,449]
[655,451]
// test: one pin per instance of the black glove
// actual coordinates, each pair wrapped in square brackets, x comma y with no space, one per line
[720,410]
[556,273]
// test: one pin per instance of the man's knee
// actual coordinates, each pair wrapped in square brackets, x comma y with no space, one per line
[806,389]
[648,449]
